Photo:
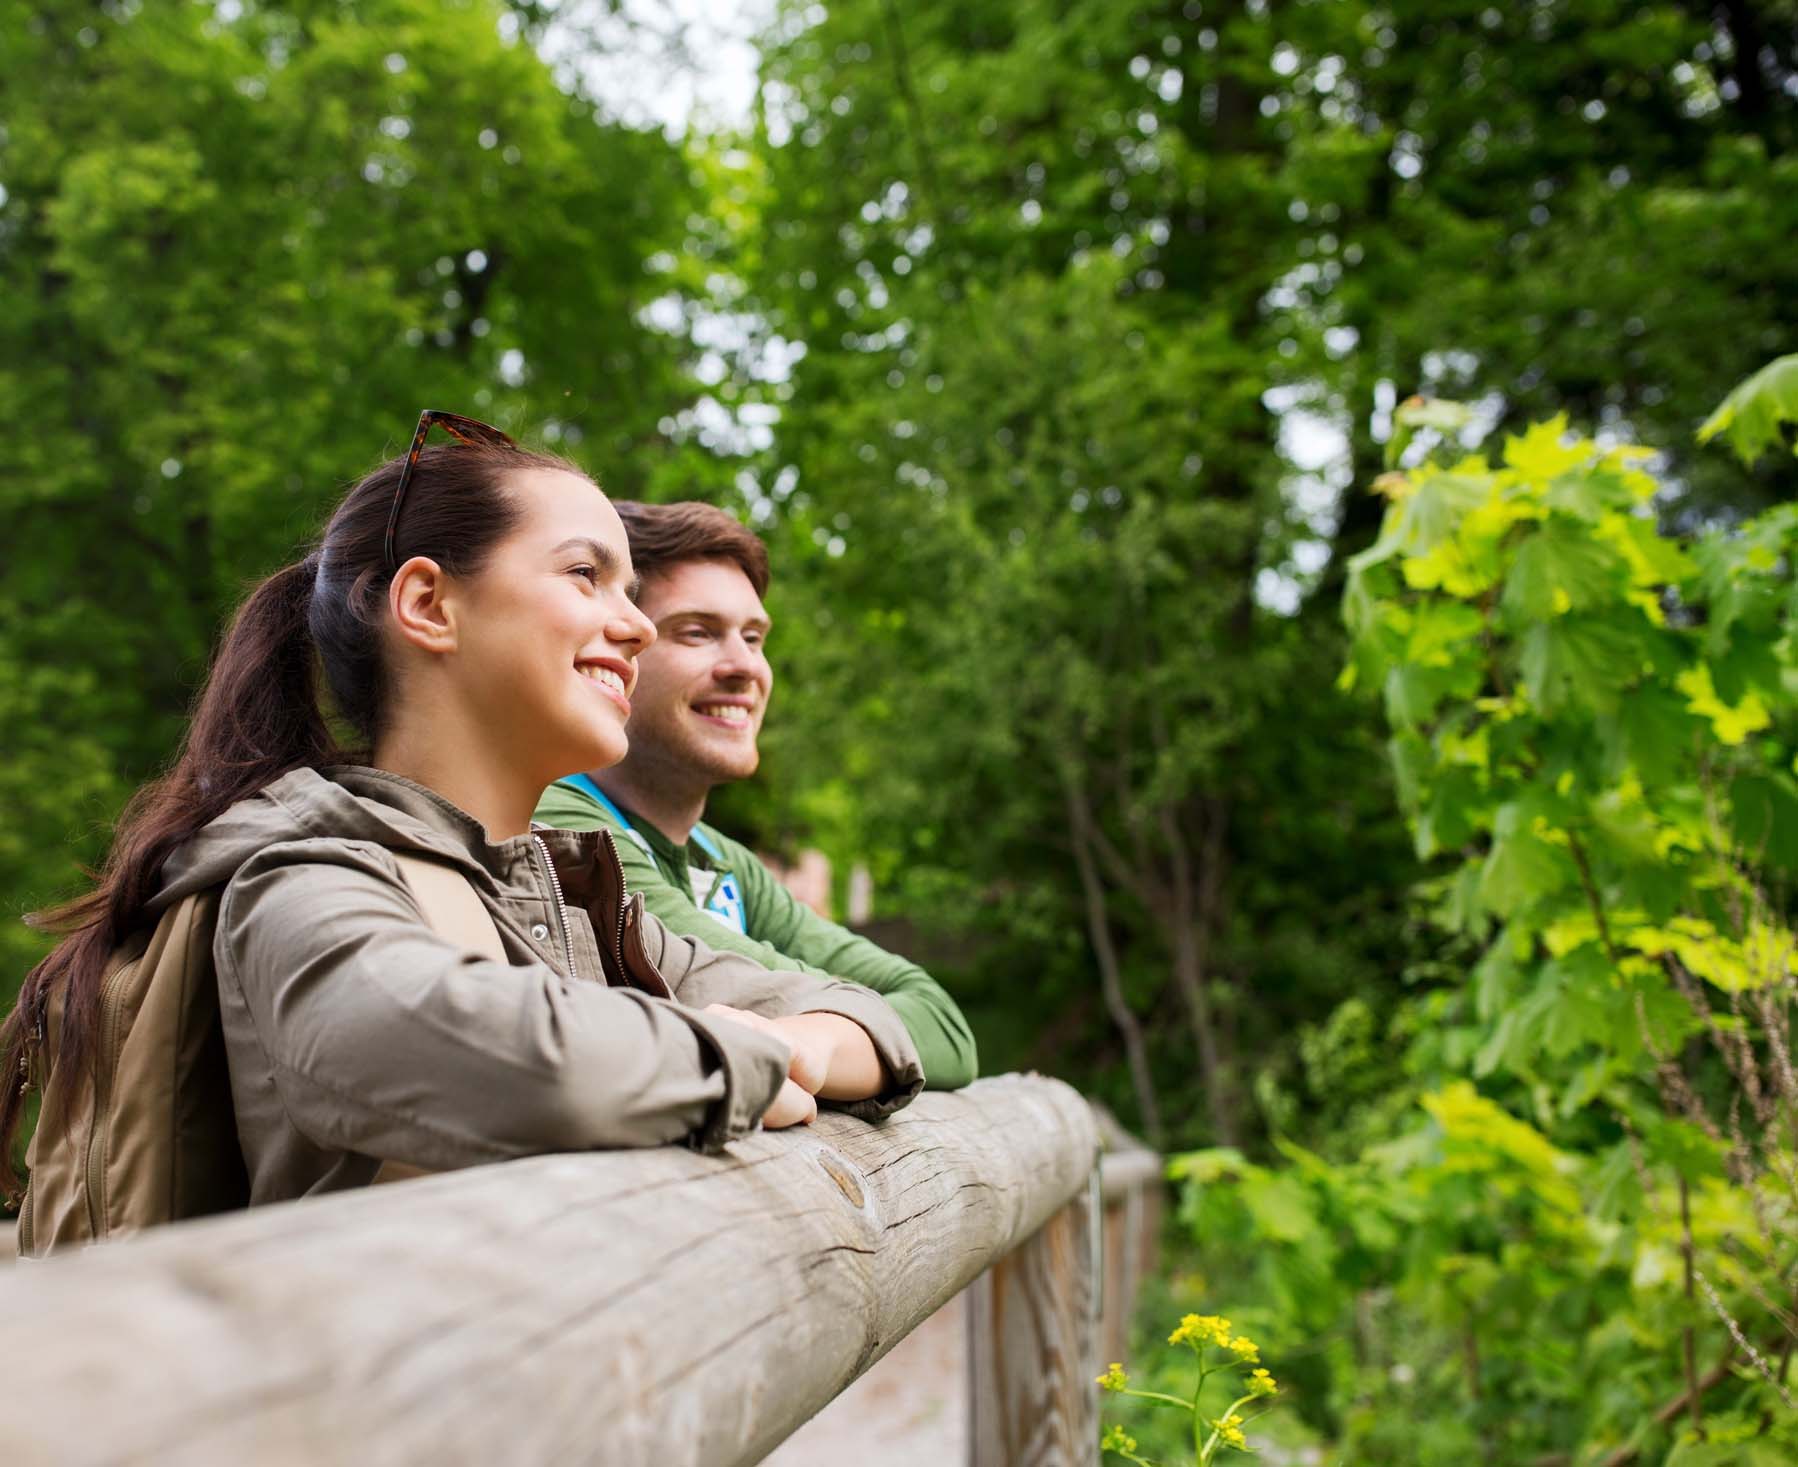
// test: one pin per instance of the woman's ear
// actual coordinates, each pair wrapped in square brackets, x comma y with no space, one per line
[417,598]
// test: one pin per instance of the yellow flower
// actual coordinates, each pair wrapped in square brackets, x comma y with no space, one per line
[1263,1384]
[1230,1429]
[1244,1349]
[1113,1379]
[1200,1329]
[1117,1440]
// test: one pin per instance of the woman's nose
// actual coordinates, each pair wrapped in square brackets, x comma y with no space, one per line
[631,628]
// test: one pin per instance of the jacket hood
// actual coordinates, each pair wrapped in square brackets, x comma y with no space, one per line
[350,803]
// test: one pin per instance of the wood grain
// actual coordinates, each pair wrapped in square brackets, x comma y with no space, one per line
[624,1307]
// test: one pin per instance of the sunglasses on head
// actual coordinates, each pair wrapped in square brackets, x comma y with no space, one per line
[463,430]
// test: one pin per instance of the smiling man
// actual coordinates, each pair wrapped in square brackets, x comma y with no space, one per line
[702,690]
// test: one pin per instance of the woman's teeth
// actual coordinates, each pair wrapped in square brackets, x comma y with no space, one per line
[603,675]
[729,712]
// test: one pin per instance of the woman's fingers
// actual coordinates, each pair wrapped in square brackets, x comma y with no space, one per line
[793,1106]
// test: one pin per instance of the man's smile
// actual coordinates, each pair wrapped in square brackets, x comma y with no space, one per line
[730,710]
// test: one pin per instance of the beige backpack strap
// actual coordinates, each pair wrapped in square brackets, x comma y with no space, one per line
[452,907]
[456,913]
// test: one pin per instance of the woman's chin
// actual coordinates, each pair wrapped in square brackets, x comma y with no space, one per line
[603,752]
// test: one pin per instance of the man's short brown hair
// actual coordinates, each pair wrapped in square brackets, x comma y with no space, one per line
[663,536]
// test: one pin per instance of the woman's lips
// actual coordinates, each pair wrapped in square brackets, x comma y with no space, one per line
[607,679]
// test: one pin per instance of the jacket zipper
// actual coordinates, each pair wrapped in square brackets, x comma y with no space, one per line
[624,902]
[555,885]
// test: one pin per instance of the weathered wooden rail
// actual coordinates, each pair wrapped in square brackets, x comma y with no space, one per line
[624,1307]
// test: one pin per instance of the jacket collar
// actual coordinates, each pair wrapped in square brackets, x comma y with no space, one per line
[358,803]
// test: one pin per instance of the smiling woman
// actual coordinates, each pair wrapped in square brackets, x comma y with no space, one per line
[478,635]
[507,679]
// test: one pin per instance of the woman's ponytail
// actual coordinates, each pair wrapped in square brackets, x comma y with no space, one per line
[259,714]
[257,717]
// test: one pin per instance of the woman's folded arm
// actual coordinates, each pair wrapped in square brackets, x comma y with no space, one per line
[385,1039]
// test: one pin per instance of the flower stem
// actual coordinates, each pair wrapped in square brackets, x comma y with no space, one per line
[1156,1396]
[1199,1448]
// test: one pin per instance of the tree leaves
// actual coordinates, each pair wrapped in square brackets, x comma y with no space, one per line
[1579,661]
[1559,567]
[1522,866]
[1594,726]
[1428,515]
[1754,414]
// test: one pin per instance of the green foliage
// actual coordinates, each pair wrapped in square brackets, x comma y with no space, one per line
[1066,278]
[239,251]
[1753,415]
[1593,730]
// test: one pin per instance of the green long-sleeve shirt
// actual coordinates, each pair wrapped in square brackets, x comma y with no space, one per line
[781,932]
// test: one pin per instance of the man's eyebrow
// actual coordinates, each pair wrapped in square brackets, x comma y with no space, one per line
[603,559]
[712,618]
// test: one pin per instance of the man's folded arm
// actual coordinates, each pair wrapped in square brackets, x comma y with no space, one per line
[797,936]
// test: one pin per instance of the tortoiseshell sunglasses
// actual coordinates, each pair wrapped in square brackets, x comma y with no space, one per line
[463,430]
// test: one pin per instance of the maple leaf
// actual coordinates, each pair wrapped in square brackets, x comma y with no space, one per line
[1753,416]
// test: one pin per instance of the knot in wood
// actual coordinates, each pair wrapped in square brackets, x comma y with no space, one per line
[844,1176]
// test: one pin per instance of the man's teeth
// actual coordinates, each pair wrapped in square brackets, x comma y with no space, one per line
[603,675]
[729,712]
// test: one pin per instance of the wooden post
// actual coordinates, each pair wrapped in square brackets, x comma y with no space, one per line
[1033,1348]
[624,1308]
[1130,1192]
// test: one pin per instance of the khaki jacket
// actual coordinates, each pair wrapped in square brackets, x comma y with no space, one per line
[357,1036]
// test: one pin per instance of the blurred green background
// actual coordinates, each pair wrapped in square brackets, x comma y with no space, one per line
[1053,347]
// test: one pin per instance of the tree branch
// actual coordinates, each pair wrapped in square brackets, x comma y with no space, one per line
[1111,984]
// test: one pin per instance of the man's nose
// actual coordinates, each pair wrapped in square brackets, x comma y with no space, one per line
[737,661]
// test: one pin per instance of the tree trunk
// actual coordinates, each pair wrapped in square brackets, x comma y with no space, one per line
[1189,974]
[1187,918]
[1111,985]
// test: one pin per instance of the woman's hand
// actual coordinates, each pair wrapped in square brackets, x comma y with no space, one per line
[792,1106]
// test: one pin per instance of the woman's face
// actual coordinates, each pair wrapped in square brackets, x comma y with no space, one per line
[549,636]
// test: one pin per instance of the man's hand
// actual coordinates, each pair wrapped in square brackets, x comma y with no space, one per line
[807,1068]
[832,1056]
[812,1048]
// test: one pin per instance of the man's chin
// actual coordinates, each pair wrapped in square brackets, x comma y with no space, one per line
[722,762]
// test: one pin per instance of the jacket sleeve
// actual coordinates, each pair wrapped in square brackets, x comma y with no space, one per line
[789,936]
[387,1040]
[700,975]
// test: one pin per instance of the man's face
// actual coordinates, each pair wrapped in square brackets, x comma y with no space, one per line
[702,688]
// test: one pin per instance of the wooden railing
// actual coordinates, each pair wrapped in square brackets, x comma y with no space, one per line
[622,1307]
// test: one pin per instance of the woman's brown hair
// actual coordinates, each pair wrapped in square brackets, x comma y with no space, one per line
[259,715]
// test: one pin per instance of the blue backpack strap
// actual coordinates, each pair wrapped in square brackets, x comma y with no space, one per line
[584,783]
